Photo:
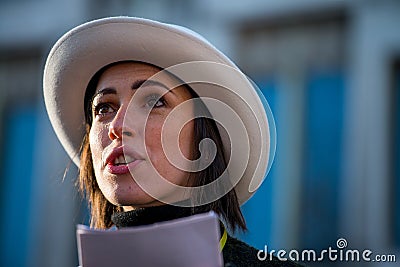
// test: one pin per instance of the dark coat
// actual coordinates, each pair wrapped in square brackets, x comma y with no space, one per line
[235,252]
[238,254]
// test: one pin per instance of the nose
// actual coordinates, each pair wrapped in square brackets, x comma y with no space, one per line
[117,129]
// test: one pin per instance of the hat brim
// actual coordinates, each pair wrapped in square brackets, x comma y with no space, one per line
[81,52]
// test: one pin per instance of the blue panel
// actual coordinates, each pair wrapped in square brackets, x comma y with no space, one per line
[16,172]
[397,163]
[257,211]
[322,153]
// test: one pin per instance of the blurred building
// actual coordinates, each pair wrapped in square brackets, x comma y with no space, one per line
[329,69]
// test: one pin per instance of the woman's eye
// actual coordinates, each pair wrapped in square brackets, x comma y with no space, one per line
[154,101]
[103,109]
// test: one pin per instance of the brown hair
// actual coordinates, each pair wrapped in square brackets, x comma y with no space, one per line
[227,207]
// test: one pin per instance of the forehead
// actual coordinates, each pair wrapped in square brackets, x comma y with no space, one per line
[127,68]
[130,72]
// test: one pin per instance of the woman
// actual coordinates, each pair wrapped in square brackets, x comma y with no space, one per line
[161,124]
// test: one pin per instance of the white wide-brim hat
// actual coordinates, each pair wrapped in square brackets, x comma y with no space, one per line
[84,50]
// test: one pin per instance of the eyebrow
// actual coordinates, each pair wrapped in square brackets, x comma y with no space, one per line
[105,91]
[144,82]
[135,85]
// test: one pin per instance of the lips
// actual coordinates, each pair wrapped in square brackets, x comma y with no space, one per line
[120,160]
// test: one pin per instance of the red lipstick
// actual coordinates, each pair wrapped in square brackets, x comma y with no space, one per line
[121,160]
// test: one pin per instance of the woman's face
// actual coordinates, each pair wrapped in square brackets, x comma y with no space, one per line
[125,137]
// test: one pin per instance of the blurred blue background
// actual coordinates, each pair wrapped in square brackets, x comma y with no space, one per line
[330,71]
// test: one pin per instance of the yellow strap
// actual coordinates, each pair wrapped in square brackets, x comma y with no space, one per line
[222,241]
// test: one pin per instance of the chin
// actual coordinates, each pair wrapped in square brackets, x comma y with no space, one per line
[133,200]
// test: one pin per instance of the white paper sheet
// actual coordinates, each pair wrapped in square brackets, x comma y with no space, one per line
[192,241]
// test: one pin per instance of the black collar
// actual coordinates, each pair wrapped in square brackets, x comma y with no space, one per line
[144,216]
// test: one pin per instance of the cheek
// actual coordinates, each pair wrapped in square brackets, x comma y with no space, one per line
[97,143]
[155,150]
[153,142]
[186,140]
